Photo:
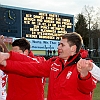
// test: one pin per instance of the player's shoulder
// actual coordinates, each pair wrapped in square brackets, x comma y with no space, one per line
[40,58]
[54,58]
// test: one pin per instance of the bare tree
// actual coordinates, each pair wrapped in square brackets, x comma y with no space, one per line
[92,16]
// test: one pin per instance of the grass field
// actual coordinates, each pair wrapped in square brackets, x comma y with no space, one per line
[96,95]
[45,90]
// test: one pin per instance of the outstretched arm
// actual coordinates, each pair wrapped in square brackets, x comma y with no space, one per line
[15,56]
[31,68]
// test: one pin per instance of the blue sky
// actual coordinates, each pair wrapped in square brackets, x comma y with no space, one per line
[73,7]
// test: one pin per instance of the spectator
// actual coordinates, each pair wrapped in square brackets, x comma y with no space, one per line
[54,52]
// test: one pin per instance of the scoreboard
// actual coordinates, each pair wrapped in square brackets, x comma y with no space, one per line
[35,24]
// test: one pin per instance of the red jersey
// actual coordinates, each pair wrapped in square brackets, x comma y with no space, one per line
[65,82]
[25,88]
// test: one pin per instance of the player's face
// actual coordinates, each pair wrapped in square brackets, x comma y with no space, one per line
[65,50]
[17,49]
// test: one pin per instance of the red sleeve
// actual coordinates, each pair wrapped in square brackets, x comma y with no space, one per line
[29,69]
[87,84]
[20,57]
[16,60]
[3,69]
[85,78]
[15,56]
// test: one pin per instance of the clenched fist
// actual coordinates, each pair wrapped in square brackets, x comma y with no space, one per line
[84,66]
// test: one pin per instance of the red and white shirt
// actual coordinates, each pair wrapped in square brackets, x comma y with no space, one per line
[3,78]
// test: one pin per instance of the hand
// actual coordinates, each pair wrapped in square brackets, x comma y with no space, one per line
[1,39]
[84,66]
[3,56]
[4,63]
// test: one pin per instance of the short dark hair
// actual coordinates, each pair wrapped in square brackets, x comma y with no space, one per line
[22,43]
[1,48]
[74,39]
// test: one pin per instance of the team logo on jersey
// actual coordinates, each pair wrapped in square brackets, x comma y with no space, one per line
[54,69]
[68,74]
[55,64]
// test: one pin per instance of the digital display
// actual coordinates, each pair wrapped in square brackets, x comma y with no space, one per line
[28,23]
[45,26]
